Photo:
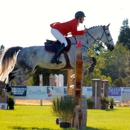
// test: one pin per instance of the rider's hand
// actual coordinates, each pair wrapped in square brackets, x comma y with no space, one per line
[85,30]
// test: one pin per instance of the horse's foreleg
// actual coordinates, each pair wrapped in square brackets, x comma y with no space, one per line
[91,67]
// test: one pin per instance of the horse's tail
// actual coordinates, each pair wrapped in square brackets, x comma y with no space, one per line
[8,61]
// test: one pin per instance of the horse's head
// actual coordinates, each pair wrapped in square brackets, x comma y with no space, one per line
[107,38]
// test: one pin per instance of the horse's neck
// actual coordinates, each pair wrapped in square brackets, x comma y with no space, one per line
[95,32]
[73,39]
[89,38]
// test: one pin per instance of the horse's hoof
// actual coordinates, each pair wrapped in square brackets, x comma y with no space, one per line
[90,70]
[85,72]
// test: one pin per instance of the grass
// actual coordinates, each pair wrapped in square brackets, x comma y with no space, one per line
[117,119]
[41,118]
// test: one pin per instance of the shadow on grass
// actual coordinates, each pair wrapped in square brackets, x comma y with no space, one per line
[105,109]
[36,128]
[111,109]
[29,128]
[91,128]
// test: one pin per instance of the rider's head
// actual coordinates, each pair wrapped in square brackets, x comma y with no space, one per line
[80,16]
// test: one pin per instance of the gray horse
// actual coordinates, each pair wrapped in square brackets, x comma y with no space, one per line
[28,58]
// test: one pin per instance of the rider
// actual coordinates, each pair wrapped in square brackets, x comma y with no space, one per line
[59,30]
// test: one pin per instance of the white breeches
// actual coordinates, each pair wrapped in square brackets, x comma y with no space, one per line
[59,36]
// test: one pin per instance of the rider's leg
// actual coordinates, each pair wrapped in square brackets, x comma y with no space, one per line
[63,42]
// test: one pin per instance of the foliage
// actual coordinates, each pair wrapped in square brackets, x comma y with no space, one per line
[64,107]
[30,81]
[116,64]
[34,80]
[97,73]
[90,103]
[2,47]
[55,106]
[111,62]
[124,36]
[104,102]
[120,82]
[111,103]
[98,47]
[11,102]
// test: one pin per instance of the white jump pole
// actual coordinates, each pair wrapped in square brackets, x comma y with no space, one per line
[103,88]
[95,94]
[41,84]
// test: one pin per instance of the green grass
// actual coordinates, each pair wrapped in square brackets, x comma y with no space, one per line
[117,119]
[41,118]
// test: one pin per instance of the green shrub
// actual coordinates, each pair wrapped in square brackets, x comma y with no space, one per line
[111,103]
[11,102]
[90,103]
[63,107]
[104,102]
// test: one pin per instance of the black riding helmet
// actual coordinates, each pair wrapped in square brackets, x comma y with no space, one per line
[79,14]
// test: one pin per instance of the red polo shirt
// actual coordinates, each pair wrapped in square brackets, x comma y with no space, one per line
[67,27]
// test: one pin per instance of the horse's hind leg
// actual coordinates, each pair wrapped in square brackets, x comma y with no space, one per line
[18,73]
[25,71]
[12,75]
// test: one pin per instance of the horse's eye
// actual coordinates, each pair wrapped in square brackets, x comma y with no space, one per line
[108,34]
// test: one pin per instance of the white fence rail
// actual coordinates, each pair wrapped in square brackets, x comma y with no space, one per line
[48,92]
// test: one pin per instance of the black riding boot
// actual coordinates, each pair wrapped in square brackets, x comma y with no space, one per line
[59,50]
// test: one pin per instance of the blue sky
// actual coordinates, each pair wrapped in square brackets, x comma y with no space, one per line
[27,22]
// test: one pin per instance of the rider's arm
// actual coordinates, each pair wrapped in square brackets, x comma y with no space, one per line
[74,30]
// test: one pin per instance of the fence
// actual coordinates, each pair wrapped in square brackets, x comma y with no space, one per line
[48,92]
[120,94]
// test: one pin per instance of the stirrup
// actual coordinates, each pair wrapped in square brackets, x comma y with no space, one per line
[55,61]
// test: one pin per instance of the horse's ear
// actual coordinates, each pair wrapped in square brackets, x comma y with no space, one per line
[108,25]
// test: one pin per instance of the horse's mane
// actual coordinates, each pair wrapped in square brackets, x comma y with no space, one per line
[95,26]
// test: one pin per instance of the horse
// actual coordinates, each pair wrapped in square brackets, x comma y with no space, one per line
[28,59]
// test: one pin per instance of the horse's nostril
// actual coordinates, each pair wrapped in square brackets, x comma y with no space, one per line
[108,45]
[112,48]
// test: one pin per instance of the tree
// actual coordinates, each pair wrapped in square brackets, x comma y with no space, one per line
[97,73]
[114,62]
[2,47]
[117,65]
[98,47]
[120,82]
[127,68]
[124,36]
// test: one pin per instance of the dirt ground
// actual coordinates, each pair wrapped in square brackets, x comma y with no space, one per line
[33,102]
[47,102]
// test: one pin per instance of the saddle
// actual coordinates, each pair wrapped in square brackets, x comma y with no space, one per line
[52,46]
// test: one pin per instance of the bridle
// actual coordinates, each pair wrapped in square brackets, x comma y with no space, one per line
[97,41]
[104,32]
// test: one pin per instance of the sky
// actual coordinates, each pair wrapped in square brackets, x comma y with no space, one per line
[27,22]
